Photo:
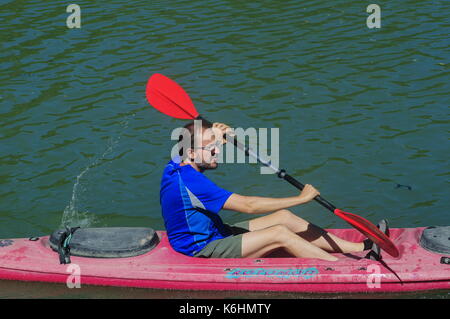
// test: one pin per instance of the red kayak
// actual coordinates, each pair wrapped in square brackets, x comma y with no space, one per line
[141,257]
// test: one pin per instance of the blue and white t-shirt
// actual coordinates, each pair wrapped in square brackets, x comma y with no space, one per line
[190,205]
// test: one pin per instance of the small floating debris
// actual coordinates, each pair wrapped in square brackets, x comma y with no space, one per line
[403,186]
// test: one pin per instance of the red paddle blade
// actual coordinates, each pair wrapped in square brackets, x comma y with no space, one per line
[168,97]
[370,230]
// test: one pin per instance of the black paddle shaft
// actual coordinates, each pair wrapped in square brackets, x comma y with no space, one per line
[281,173]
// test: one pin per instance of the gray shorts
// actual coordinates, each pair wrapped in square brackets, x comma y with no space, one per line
[228,247]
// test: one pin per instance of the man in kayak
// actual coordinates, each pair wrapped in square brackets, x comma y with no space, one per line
[191,202]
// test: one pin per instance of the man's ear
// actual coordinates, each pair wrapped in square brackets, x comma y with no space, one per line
[190,154]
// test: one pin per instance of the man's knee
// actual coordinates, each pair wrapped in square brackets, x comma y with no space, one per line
[284,216]
[280,233]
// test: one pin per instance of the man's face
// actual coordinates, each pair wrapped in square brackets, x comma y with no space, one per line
[208,149]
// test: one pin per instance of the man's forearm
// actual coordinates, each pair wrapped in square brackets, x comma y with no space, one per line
[261,205]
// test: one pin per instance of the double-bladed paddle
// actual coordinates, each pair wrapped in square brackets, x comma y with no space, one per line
[171,99]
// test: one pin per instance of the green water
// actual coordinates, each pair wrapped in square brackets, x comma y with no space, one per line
[359,110]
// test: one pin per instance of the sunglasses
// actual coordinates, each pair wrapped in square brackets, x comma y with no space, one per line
[211,147]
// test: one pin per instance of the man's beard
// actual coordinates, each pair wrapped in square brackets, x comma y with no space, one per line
[204,166]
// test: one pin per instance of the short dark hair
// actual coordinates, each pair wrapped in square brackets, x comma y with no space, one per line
[191,130]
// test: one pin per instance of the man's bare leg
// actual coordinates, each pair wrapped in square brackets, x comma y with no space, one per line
[311,233]
[260,242]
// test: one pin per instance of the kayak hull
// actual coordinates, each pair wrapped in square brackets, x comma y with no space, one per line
[416,269]
[212,286]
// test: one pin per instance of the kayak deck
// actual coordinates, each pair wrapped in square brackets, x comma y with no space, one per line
[415,269]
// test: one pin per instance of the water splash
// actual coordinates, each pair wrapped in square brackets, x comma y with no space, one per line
[72,217]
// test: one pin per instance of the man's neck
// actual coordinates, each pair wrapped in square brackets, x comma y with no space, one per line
[194,166]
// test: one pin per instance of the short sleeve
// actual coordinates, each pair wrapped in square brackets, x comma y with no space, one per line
[207,195]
